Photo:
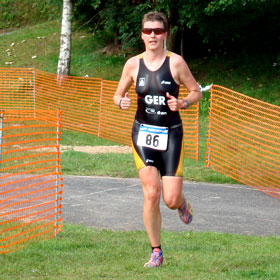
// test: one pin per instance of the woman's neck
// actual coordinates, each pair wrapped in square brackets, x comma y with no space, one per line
[154,59]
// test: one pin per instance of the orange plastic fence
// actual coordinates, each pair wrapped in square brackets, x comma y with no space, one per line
[244,139]
[87,104]
[17,89]
[30,177]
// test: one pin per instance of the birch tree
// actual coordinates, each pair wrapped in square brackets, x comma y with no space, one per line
[64,60]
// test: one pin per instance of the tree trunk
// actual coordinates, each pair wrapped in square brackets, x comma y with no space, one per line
[173,39]
[63,67]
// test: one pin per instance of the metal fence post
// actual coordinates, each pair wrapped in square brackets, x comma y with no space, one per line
[1,137]
[197,133]
[209,129]
[100,110]
[58,124]
[34,93]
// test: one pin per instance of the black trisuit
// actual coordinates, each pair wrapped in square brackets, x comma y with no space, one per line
[151,88]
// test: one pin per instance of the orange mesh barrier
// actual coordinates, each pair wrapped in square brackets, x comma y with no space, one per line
[17,89]
[87,105]
[244,139]
[30,178]
[78,98]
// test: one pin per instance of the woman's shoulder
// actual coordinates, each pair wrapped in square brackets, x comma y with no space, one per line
[135,59]
[133,62]
[131,67]
[176,58]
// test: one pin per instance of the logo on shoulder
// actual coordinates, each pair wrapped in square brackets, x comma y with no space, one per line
[142,82]
[163,82]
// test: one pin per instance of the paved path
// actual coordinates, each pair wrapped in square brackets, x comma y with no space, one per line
[116,204]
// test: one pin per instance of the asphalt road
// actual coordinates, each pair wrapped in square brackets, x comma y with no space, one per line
[116,204]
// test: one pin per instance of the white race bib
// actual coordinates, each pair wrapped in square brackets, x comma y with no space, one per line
[154,137]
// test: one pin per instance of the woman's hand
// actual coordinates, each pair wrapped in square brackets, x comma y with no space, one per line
[173,103]
[125,102]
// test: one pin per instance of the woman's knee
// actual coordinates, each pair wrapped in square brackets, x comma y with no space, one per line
[172,191]
[152,194]
[172,201]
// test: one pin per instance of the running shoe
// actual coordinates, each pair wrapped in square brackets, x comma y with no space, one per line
[186,212]
[156,259]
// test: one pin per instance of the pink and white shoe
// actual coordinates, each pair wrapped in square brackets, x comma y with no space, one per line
[156,259]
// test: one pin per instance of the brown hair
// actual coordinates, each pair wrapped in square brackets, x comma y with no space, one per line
[155,16]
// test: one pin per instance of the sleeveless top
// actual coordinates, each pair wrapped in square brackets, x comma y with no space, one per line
[151,88]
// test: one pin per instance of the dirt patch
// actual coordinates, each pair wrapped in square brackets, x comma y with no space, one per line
[98,149]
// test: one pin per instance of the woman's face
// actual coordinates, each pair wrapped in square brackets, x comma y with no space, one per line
[153,41]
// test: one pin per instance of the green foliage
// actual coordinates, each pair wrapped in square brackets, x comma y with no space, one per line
[252,24]
[117,20]
[248,24]
[85,11]
[245,25]
[17,13]
[223,5]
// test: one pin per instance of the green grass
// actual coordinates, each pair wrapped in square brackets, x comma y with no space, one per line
[253,75]
[113,165]
[18,13]
[84,253]
[43,41]
[71,137]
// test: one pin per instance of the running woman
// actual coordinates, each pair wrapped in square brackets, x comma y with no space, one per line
[157,133]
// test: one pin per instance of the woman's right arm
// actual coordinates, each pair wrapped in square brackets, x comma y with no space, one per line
[121,95]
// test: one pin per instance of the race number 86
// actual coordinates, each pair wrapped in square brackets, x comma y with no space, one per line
[152,140]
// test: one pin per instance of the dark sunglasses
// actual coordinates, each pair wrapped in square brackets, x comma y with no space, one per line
[157,31]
